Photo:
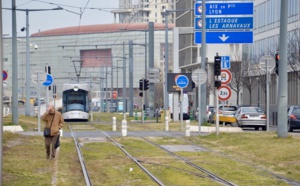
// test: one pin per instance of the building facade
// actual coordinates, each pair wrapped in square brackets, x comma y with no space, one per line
[266,42]
[143,11]
[100,50]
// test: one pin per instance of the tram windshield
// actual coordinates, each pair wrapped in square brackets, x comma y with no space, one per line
[75,100]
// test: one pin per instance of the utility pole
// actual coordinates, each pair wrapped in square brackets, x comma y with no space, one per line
[282,84]
[15,112]
[203,66]
[151,65]
[130,78]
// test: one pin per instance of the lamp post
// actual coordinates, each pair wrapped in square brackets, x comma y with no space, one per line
[27,104]
[166,67]
[258,90]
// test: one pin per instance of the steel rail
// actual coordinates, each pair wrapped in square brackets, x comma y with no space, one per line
[135,160]
[211,175]
[84,169]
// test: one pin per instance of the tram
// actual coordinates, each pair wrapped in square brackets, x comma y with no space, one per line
[76,101]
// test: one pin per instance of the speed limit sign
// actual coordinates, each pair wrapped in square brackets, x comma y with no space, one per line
[224,93]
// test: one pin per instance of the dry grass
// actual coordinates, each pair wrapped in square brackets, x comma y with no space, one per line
[25,163]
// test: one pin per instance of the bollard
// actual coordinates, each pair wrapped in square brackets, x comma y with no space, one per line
[61,132]
[166,123]
[124,128]
[135,115]
[114,128]
[187,128]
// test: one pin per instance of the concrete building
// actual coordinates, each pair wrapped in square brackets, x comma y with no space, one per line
[266,42]
[141,11]
[189,56]
[100,48]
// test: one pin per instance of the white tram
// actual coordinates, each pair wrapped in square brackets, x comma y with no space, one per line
[76,101]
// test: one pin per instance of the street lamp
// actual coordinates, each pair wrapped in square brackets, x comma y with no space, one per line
[27,104]
[258,90]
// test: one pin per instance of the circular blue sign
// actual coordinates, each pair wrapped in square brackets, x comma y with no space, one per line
[4,75]
[182,81]
[48,81]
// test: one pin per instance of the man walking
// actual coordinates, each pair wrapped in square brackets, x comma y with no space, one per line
[54,122]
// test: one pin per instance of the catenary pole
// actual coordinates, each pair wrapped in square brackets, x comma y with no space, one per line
[124,81]
[1,96]
[15,112]
[203,66]
[282,71]
[166,69]
[130,78]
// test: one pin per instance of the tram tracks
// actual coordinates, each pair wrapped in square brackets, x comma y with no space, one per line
[143,164]
[146,163]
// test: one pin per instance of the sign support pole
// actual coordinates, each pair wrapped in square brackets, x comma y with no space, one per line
[268,96]
[217,112]
[181,114]
[39,102]
[199,104]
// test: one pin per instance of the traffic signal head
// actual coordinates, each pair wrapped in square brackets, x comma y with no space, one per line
[217,66]
[217,83]
[141,84]
[277,63]
[146,84]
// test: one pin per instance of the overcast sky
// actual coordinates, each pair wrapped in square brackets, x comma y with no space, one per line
[46,20]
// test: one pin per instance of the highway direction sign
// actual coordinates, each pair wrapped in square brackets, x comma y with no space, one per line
[225,62]
[182,81]
[223,37]
[224,93]
[225,23]
[228,8]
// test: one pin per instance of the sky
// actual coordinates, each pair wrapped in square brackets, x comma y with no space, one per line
[47,20]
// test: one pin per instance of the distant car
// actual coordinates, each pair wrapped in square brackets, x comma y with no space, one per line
[224,110]
[42,101]
[209,111]
[293,118]
[251,117]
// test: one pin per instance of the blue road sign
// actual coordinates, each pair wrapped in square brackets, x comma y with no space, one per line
[225,62]
[225,23]
[182,81]
[4,75]
[231,8]
[48,81]
[224,37]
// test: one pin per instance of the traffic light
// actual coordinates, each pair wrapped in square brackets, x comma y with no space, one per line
[277,63]
[217,83]
[141,84]
[146,84]
[141,94]
[217,66]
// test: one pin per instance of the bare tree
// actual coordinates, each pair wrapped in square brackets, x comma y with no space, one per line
[158,95]
[294,52]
